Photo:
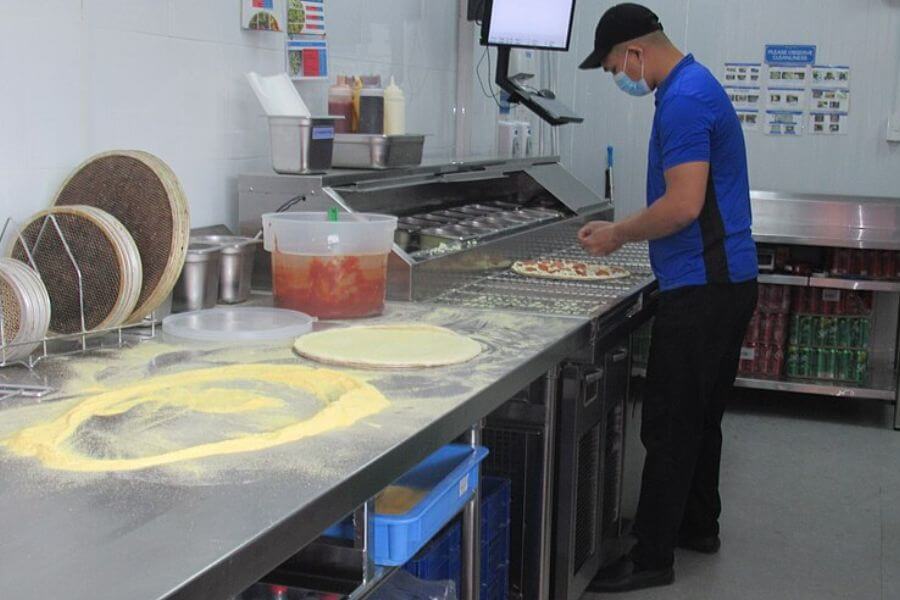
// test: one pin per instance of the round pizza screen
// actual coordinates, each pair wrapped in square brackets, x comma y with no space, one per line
[568,269]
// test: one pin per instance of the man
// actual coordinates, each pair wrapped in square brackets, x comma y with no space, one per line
[698,223]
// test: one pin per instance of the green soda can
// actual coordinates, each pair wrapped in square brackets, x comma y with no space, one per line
[793,362]
[843,333]
[794,331]
[861,372]
[827,332]
[806,362]
[865,331]
[808,330]
[845,367]
[825,364]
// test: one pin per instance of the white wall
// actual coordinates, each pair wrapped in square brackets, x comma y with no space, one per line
[167,76]
[412,40]
[861,33]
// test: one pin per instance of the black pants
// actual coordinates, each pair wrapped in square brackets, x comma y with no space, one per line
[694,357]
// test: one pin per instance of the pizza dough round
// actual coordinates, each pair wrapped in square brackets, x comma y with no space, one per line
[570,270]
[398,346]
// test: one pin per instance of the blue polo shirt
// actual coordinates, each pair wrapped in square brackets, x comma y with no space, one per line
[696,122]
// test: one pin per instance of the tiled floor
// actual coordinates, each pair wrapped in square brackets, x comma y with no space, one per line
[811,489]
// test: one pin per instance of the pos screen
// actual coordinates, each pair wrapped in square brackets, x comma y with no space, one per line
[542,24]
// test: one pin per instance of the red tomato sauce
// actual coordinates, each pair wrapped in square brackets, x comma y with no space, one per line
[330,287]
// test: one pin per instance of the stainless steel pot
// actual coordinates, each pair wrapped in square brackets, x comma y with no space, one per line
[235,266]
[198,286]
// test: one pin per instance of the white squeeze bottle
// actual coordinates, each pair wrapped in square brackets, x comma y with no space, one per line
[394,110]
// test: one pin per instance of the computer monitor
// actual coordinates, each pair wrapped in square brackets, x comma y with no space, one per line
[541,24]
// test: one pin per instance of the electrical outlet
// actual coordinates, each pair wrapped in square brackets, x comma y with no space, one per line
[893,129]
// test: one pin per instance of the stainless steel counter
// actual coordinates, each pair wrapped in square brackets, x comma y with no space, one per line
[212,531]
[830,221]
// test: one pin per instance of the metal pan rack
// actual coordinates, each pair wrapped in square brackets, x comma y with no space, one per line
[66,344]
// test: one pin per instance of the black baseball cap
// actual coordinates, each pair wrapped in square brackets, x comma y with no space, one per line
[621,23]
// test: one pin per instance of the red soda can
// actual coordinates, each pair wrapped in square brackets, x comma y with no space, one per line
[896,265]
[829,307]
[768,336]
[889,264]
[857,263]
[833,262]
[815,302]
[752,331]
[787,296]
[781,329]
[775,296]
[761,364]
[763,302]
[800,305]
[776,362]
[873,258]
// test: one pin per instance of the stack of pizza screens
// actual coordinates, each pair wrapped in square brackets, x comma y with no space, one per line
[145,196]
[568,270]
[25,308]
[89,264]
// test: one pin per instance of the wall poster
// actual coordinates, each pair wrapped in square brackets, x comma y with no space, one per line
[784,123]
[828,123]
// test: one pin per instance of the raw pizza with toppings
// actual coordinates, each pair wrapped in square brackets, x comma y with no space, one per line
[568,269]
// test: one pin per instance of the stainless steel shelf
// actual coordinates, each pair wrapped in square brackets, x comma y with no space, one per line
[778,279]
[855,284]
[881,387]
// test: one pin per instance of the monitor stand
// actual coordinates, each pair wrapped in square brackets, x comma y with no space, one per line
[549,109]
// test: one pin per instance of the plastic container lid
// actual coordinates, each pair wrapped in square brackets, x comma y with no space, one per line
[229,324]
[312,234]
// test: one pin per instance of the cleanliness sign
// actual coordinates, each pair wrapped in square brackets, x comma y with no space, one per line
[790,55]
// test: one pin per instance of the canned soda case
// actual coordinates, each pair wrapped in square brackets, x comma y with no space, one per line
[827,364]
[875,264]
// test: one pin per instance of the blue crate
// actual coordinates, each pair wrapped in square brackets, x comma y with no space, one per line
[495,500]
[496,588]
[441,559]
[451,474]
[494,554]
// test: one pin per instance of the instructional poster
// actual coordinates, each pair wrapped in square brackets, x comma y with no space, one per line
[780,75]
[749,119]
[306,17]
[308,59]
[262,15]
[791,99]
[837,100]
[743,73]
[828,123]
[784,123]
[744,97]
[828,76]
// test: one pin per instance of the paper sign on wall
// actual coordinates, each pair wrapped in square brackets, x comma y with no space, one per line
[262,15]
[790,99]
[749,119]
[308,59]
[834,100]
[744,97]
[784,123]
[790,55]
[780,75]
[742,73]
[828,76]
[306,17]
[828,123]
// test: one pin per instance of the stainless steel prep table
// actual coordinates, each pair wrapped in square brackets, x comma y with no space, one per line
[144,536]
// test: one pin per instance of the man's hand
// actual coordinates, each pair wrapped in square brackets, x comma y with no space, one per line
[600,238]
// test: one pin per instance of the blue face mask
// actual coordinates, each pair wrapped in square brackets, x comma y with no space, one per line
[629,86]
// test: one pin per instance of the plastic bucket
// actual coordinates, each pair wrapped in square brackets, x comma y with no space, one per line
[330,270]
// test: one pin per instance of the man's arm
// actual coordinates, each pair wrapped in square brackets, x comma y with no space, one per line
[682,204]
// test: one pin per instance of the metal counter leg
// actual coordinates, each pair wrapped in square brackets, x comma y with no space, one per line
[365,540]
[471,535]
[548,477]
